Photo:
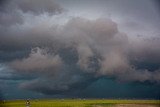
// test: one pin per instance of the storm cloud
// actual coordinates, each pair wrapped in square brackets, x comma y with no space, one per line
[37,60]
[11,12]
[70,56]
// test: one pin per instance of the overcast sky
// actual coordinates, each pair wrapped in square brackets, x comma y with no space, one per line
[79,48]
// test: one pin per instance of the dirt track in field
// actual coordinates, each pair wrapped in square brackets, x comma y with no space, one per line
[135,105]
[129,105]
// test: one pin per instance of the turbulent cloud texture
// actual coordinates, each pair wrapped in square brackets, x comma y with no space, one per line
[38,6]
[10,11]
[38,60]
[69,57]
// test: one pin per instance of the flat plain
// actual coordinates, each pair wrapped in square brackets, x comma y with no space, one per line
[82,103]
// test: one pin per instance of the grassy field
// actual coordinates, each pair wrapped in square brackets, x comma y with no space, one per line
[83,103]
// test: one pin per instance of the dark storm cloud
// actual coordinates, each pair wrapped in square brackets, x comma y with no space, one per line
[7,19]
[9,15]
[107,88]
[18,39]
[70,84]
[69,56]
[9,74]
[35,7]
[86,40]
[11,12]
[38,6]
[146,49]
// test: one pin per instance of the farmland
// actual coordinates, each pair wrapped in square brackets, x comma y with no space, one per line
[82,103]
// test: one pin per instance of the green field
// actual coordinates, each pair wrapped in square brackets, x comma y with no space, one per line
[83,103]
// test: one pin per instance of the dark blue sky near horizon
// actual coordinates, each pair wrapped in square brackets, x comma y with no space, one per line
[80,49]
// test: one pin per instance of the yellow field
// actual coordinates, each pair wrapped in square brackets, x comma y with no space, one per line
[83,103]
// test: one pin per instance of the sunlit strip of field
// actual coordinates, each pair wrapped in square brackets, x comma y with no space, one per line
[83,103]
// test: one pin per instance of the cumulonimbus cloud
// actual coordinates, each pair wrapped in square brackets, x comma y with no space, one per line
[70,56]
[99,51]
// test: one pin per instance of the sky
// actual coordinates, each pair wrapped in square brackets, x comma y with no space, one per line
[79,49]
